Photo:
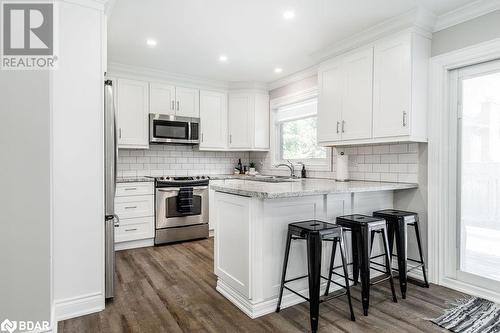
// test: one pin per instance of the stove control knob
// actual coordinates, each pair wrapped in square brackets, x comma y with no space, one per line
[202,177]
[197,177]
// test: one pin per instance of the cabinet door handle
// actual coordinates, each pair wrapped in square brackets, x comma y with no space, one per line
[338,123]
[343,126]
[230,138]
[201,137]
[120,133]
[130,207]
[131,189]
[133,229]
[177,105]
[173,105]
[404,118]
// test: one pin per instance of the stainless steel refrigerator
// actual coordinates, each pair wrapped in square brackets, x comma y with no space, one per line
[111,219]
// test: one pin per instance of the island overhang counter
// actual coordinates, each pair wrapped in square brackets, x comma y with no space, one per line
[251,218]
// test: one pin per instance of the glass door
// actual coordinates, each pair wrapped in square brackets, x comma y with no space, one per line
[478,176]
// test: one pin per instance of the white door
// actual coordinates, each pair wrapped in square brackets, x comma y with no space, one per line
[330,103]
[187,102]
[161,99]
[392,88]
[241,108]
[357,96]
[477,120]
[213,119]
[132,113]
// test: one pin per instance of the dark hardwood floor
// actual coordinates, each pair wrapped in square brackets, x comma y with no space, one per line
[172,289]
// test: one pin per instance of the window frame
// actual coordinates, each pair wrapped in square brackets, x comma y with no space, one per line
[325,164]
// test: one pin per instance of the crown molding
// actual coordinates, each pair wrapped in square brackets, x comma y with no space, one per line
[252,85]
[466,13]
[295,77]
[151,74]
[94,4]
[419,20]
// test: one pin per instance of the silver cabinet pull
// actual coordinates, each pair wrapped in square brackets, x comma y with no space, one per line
[230,138]
[120,133]
[338,123]
[131,189]
[177,105]
[130,207]
[133,229]
[201,137]
[343,126]
[173,105]
[404,118]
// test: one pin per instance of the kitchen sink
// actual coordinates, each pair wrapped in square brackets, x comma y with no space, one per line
[274,179]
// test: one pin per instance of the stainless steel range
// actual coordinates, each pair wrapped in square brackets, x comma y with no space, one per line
[181,208]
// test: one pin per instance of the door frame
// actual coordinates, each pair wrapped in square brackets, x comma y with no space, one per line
[442,159]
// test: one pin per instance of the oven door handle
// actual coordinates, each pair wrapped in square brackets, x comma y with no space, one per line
[173,189]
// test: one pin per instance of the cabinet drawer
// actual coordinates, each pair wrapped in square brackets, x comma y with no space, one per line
[135,206]
[134,229]
[128,189]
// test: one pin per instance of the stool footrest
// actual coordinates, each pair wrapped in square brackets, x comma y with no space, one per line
[329,297]
[380,280]
[296,293]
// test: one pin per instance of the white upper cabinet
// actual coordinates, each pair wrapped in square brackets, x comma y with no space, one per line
[187,102]
[248,121]
[400,87]
[357,96]
[375,94]
[345,98]
[178,101]
[240,120]
[162,99]
[132,104]
[213,120]
[330,80]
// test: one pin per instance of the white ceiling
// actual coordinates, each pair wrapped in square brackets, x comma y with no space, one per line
[192,34]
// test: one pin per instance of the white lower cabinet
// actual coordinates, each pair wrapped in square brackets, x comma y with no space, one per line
[134,205]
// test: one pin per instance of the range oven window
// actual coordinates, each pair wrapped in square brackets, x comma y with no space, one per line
[171,204]
[166,129]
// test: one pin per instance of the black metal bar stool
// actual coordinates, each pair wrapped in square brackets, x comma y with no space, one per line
[363,229]
[314,232]
[397,224]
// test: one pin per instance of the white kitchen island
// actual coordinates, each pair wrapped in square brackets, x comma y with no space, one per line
[251,220]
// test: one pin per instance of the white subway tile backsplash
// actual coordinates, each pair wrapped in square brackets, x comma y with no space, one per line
[389,163]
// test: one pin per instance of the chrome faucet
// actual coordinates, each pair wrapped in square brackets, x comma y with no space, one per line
[289,166]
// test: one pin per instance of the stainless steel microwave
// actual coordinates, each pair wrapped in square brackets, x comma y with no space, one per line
[173,129]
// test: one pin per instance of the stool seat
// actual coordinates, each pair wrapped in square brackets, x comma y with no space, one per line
[391,214]
[301,229]
[355,219]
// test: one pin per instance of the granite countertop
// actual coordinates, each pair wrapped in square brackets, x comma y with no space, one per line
[134,179]
[301,187]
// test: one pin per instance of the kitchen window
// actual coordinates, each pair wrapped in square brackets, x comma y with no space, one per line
[296,136]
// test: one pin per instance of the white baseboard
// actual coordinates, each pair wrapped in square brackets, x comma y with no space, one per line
[471,290]
[78,306]
[134,244]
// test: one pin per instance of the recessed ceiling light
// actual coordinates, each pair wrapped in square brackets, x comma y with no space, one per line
[151,42]
[278,70]
[288,14]
[223,58]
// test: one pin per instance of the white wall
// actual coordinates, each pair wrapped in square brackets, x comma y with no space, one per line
[25,196]
[480,29]
[78,163]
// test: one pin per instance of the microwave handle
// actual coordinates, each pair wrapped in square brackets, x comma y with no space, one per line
[189,130]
